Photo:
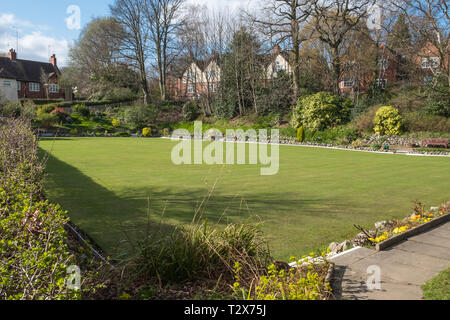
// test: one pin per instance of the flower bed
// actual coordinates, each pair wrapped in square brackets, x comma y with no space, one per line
[421,220]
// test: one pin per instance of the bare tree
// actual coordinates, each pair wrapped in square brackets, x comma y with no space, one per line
[429,21]
[333,20]
[283,22]
[164,20]
[135,38]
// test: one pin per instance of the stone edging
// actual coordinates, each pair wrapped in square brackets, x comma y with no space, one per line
[413,232]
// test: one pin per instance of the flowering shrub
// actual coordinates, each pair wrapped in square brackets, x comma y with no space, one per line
[419,217]
[116,123]
[321,111]
[146,132]
[388,121]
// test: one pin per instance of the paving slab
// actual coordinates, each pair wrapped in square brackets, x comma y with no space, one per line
[404,268]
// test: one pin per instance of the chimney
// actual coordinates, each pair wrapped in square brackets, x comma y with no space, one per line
[12,55]
[276,49]
[53,60]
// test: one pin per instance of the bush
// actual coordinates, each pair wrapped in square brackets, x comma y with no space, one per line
[197,251]
[164,132]
[115,123]
[122,134]
[340,135]
[388,121]
[81,110]
[147,132]
[300,134]
[139,117]
[47,120]
[191,111]
[321,111]
[34,256]
[418,122]
[10,110]
[73,132]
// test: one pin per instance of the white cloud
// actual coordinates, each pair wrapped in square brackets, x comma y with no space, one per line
[33,43]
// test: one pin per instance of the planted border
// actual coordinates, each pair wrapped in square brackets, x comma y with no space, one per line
[412,232]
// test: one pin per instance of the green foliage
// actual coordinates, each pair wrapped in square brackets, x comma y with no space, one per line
[388,121]
[191,111]
[139,117]
[321,111]
[33,252]
[10,109]
[47,120]
[307,283]
[122,134]
[300,134]
[198,250]
[147,132]
[342,135]
[81,110]
[116,123]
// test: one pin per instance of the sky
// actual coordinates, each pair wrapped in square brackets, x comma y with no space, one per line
[48,27]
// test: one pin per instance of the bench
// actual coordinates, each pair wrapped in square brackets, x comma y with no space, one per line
[435,143]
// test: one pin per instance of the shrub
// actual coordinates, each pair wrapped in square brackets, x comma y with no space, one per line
[139,117]
[197,251]
[388,121]
[116,123]
[122,134]
[191,111]
[418,122]
[321,111]
[81,110]
[341,134]
[301,283]
[34,256]
[73,132]
[147,132]
[48,120]
[164,132]
[300,134]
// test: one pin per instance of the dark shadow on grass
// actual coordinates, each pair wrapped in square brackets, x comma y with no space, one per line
[106,218]
[110,220]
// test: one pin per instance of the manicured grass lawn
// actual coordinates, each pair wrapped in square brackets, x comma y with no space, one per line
[438,288]
[107,184]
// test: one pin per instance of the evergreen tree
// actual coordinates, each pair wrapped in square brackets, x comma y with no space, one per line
[400,35]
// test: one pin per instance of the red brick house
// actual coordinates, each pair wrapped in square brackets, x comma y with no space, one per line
[25,79]
[385,73]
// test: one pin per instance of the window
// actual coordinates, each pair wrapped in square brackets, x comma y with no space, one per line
[428,79]
[429,63]
[278,67]
[347,83]
[190,89]
[35,87]
[381,83]
[53,88]
[19,85]
[383,64]
[6,83]
[212,87]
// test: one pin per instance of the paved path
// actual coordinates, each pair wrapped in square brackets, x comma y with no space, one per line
[404,267]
